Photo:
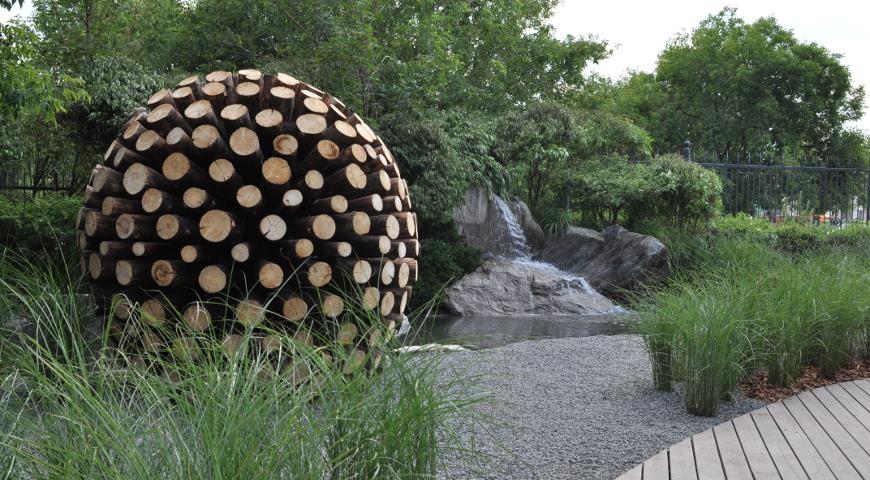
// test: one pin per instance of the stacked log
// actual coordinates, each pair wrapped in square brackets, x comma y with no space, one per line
[255,187]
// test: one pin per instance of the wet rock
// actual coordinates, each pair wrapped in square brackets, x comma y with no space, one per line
[610,261]
[495,226]
[502,286]
[534,233]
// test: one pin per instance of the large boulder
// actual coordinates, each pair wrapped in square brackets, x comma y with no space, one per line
[534,233]
[502,286]
[610,261]
[495,226]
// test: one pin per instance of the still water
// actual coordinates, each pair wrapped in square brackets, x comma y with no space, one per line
[491,332]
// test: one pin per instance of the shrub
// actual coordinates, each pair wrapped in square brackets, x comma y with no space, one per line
[38,223]
[793,237]
[442,261]
[855,235]
[442,154]
[608,186]
[670,190]
[684,192]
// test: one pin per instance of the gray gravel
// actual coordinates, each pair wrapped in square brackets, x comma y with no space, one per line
[568,408]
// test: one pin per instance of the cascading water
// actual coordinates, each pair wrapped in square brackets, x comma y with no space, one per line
[521,253]
[519,245]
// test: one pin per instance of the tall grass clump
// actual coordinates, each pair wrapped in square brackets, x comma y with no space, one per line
[75,407]
[785,324]
[745,305]
[696,334]
[659,333]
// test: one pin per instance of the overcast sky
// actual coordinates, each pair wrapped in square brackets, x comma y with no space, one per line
[639,29]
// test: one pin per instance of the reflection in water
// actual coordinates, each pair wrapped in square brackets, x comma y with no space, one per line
[490,332]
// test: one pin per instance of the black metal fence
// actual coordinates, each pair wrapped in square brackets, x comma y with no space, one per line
[784,187]
[23,180]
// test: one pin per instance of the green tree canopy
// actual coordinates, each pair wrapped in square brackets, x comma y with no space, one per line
[25,87]
[733,86]
[545,141]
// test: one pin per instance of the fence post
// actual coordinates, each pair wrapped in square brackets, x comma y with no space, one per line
[867,200]
[687,150]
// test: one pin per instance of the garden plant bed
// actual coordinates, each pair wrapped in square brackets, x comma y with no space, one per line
[756,386]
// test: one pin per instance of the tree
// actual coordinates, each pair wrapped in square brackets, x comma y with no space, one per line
[25,87]
[735,87]
[545,142]
[396,55]
[535,144]
[442,154]
[75,33]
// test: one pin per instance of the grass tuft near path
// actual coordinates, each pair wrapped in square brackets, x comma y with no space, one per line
[71,406]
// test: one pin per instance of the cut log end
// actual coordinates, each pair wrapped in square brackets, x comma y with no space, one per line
[244,142]
[276,171]
[241,252]
[197,317]
[319,274]
[217,225]
[270,275]
[165,273]
[250,313]
[273,227]
[295,309]
[213,279]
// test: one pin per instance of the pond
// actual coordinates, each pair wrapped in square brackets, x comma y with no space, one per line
[477,332]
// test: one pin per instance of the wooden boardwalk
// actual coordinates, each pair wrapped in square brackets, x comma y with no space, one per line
[819,434]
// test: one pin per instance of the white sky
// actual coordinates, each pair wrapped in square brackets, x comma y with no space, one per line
[7,14]
[639,29]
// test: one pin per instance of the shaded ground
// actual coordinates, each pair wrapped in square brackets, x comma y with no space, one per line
[571,408]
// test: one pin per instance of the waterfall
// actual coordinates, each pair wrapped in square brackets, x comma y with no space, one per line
[521,253]
[519,245]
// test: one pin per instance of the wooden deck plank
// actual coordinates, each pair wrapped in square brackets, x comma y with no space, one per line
[841,437]
[760,461]
[656,467]
[782,453]
[847,417]
[850,403]
[635,473]
[682,461]
[810,459]
[820,434]
[857,393]
[731,452]
[863,385]
[707,456]
[837,462]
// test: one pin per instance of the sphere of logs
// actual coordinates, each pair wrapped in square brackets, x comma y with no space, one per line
[259,188]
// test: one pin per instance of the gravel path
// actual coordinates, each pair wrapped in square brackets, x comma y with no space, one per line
[570,408]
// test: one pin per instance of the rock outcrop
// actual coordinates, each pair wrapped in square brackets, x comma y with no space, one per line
[502,286]
[527,272]
[481,220]
[613,260]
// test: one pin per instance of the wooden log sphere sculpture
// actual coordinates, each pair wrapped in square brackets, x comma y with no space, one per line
[253,187]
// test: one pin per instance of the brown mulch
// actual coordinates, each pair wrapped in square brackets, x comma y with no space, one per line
[756,385]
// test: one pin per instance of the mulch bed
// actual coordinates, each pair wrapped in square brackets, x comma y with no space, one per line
[757,387]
